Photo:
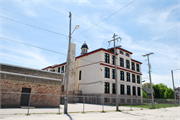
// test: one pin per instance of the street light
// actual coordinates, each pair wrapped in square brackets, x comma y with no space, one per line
[173,84]
[68,65]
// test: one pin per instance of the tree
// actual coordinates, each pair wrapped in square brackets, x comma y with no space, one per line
[162,88]
[156,91]
[146,85]
[145,95]
[169,93]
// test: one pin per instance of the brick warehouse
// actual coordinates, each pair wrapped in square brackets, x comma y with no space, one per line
[44,86]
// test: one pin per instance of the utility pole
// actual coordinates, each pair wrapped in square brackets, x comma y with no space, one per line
[68,68]
[117,108]
[150,78]
[173,87]
[68,65]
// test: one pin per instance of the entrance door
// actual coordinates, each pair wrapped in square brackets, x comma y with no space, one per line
[25,97]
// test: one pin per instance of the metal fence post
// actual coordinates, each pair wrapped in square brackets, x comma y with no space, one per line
[142,104]
[103,104]
[131,103]
[83,103]
[164,102]
[59,104]
[28,103]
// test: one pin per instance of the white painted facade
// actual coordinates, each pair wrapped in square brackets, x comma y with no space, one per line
[92,66]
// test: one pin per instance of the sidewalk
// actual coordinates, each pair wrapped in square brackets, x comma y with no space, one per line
[172,113]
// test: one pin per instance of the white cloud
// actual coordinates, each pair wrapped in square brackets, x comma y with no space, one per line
[158,21]
[28,7]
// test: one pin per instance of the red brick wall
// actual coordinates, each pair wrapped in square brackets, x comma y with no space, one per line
[13,100]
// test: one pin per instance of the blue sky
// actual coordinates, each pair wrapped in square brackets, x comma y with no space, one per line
[144,26]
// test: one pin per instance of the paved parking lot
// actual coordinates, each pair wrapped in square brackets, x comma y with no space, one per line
[172,113]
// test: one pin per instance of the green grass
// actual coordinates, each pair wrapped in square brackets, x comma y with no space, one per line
[150,106]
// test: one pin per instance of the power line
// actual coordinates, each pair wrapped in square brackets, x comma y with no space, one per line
[63,14]
[77,16]
[33,26]
[42,48]
[32,45]
[106,18]
[33,19]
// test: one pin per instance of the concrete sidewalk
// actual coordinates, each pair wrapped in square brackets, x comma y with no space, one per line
[172,113]
[77,107]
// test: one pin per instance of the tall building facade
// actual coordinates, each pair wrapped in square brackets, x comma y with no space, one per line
[95,73]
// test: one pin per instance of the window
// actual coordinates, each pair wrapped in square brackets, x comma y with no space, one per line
[113,59]
[127,64]
[114,88]
[121,52]
[79,75]
[121,75]
[106,57]
[128,90]
[106,87]
[121,62]
[138,79]
[122,89]
[134,90]
[128,77]
[133,78]
[113,73]
[127,54]
[139,91]
[133,65]
[62,69]
[137,67]
[59,68]
[107,73]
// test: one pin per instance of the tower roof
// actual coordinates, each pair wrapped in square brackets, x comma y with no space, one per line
[84,46]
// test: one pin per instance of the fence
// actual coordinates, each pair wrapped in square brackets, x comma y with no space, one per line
[34,103]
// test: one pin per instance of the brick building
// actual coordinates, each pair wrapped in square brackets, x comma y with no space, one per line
[17,82]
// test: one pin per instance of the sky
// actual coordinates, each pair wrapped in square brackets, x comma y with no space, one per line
[144,25]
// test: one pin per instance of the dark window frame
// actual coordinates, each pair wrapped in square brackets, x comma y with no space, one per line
[107,72]
[106,58]
[121,52]
[113,60]
[134,90]
[127,54]
[137,67]
[59,68]
[106,87]
[122,75]
[113,74]
[138,79]
[133,78]
[113,88]
[122,89]
[128,77]
[127,64]
[80,74]
[128,90]
[121,62]
[62,69]
[139,91]
[133,65]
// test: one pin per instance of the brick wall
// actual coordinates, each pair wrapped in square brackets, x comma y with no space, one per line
[13,100]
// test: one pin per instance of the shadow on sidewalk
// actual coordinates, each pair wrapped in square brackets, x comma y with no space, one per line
[69,116]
